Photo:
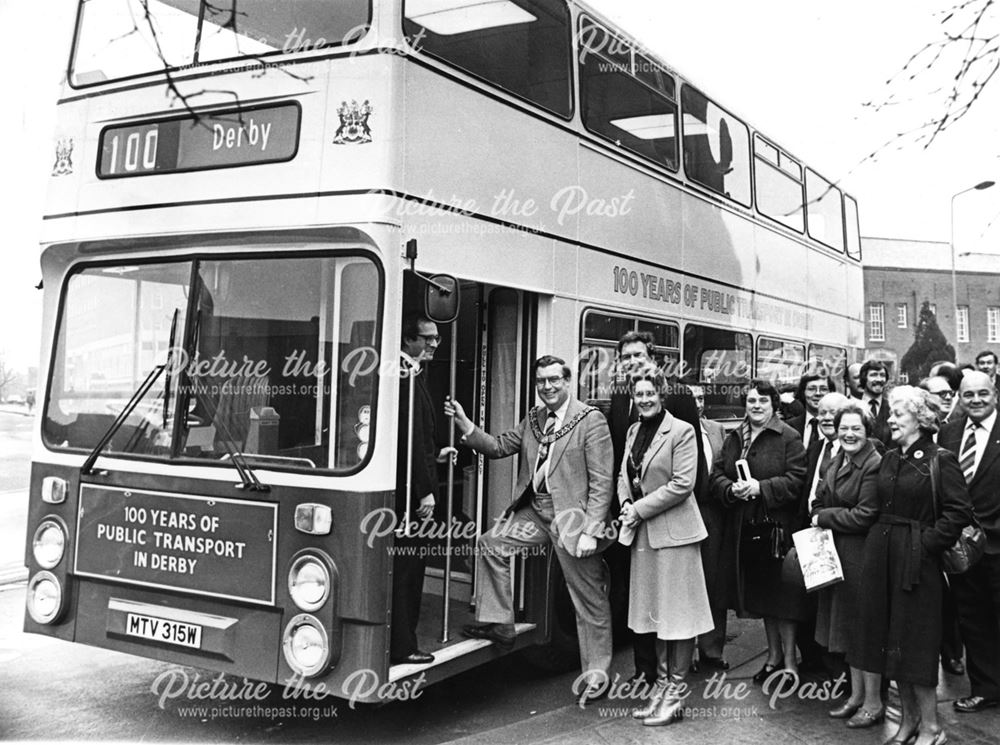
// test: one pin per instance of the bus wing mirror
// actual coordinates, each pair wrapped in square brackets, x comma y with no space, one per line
[441,298]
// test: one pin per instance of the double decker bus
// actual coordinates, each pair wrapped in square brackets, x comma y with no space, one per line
[239,192]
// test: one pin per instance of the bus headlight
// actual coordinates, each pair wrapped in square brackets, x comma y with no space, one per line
[48,544]
[44,598]
[309,582]
[306,645]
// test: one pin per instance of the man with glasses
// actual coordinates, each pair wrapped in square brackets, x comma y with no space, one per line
[419,342]
[562,496]
[975,439]
[812,387]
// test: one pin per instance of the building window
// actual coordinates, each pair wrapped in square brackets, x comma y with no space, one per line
[962,323]
[901,315]
[993,323]
[876,322]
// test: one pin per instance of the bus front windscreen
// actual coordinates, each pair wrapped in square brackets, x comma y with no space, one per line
[273,359]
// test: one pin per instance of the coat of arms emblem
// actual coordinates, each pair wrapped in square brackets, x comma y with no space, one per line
[64,158]
[353,129]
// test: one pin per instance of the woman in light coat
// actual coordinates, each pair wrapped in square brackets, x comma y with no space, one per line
[660,517]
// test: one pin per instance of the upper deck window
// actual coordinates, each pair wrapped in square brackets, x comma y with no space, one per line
[825,218]
[716,147]
[779,185]
[852,227]
[521,46]
[626,97]
[123,38]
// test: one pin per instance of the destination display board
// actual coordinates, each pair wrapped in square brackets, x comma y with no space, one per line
[201,141]
[205,545]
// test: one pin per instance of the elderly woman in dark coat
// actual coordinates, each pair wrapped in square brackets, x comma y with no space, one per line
[900,620]
[847,504]
[777,463]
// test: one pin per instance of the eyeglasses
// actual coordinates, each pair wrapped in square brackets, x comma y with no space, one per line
[946,393]
[555,381]
[433,338]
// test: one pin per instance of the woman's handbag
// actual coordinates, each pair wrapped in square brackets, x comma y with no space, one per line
[971,544]
[763,539]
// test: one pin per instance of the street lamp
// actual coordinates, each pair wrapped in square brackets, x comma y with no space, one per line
[954,285]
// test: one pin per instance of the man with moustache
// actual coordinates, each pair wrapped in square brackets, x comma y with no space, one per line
[874,377]
[562,496]
[975,439]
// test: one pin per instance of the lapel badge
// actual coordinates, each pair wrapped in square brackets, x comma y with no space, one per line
[918,455]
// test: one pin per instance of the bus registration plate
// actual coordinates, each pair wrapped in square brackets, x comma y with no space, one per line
[162,630]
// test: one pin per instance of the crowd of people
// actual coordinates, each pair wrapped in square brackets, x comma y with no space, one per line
[706,519]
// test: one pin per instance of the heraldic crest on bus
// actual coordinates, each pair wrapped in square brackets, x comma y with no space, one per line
[63,165]
[353,127]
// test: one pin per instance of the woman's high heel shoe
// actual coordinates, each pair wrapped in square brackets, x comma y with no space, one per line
[845,711]
[864,718]
[765,672]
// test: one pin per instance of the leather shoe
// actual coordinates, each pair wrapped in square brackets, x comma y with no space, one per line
[414,658]
[765,672]
[593,692]
[972,704]
[864,718]
[845,711]
[952,666]
[715,663]
[494,632]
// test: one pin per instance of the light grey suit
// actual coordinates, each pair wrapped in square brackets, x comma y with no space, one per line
[580,484]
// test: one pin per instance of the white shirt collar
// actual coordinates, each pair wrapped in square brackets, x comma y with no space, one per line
[560,412]
[986,424]
[414,364]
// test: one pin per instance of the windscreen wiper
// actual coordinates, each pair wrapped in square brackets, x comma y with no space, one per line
[154,374]
[247,476]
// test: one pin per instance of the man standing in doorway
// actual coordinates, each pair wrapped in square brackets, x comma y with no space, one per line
[416,472]
[562,496]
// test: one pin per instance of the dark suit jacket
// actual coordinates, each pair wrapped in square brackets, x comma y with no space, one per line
[423,471]
[984,489]
[619,422]
[881,430]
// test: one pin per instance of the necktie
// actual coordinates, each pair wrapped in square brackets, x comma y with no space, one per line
[813,430]
[967,458]
[543,454]
[873,405]
[824,460]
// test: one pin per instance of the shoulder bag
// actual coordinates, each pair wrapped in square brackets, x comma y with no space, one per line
[971,544]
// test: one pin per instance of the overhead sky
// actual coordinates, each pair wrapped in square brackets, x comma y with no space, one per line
[798,71]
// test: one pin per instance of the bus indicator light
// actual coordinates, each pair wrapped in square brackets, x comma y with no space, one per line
[314,519]
[54,490]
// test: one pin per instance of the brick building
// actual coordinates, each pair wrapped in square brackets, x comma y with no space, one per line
[900,275]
